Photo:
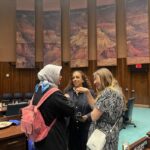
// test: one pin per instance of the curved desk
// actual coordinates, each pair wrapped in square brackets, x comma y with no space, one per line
[12,138]
[141,144]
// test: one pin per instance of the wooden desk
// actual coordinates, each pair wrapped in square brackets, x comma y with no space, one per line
[12,138]
[141,144]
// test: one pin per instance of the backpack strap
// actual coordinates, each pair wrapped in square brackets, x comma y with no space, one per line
[45,96]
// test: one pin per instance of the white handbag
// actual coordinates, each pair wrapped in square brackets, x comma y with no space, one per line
[97,140]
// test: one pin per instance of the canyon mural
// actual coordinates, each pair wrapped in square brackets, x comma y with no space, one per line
[25,34]
[137,31]
[106,32]
[52,32]
[78,33]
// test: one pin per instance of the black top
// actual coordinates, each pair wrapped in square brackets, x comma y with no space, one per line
[56,106]
[78,131]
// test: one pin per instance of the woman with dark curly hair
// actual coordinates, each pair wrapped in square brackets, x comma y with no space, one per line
[78,130]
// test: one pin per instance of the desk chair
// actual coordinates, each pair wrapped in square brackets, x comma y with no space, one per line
[127,118]
[17,97]
[14,109]
[6,98]
[28,96]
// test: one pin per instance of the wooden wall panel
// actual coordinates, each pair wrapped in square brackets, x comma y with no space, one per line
[66,73]
[26,81]
[23,80]
[16,75]
[139,84]
[123,76]
[19,80]
[5,77]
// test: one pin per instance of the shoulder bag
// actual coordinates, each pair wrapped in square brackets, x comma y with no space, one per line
[97,139]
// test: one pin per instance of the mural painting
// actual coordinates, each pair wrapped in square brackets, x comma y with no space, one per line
[106,32]
[25,34]
[52,32]
[78,33]
[137,31]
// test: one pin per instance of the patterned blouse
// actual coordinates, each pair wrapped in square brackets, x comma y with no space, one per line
[111,104]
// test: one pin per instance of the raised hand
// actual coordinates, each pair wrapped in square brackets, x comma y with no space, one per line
[82,90]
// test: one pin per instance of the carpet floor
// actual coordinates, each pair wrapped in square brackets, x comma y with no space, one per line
[141,118]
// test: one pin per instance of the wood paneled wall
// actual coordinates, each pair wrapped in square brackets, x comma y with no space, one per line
[23,80]
[17,80]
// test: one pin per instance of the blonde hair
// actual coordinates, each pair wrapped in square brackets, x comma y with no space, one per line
[105,76]
[106,80]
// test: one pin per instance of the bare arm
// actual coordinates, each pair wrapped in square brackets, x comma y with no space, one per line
[90,98]
[96,113]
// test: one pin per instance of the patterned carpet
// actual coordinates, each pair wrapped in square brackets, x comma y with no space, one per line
[141,117]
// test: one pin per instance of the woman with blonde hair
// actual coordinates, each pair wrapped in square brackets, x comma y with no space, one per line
[107,108]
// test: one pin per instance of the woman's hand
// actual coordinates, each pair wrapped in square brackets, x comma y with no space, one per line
[87,92]
[67,95]
[83,118]
[82,90]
